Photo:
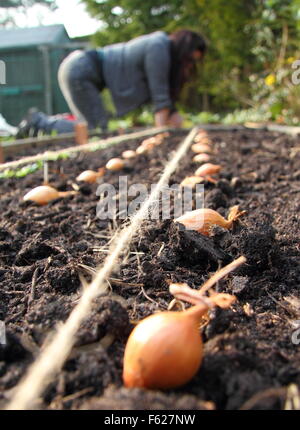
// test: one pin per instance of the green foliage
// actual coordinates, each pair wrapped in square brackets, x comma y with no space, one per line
[22,172]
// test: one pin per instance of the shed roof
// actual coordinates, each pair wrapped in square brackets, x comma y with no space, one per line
[34,36]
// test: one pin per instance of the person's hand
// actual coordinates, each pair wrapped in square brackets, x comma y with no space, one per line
[175,120]
[161,117]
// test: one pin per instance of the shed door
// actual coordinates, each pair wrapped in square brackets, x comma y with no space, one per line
[24,84]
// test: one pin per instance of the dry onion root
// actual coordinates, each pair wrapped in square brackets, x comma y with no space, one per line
[202,220]
[44,194]
[165,349]
[90,176]
[115,164]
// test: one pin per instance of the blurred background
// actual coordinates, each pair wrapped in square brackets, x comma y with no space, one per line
[246,75]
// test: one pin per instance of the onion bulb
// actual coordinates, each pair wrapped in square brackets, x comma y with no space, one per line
[128,154]
[202,220]
[149,142]
[164,350]
[201,158]
[161,136]
[200,135]
[208,169]
[90,176]
[199,148]
[141,149]
[115,164]
[44,194]
[191,181]
[204,140]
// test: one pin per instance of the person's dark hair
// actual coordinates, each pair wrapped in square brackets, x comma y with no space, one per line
[183,44]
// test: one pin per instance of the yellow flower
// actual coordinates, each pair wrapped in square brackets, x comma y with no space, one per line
[270,79]
[290,60]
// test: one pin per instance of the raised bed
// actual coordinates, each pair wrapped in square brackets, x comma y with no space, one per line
[250,359]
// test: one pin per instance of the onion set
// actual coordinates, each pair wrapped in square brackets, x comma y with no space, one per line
[200,135]
[115,164]
[165,350]
[204,140]
[208,169]
[128,154]
[203,220]
[199,148]
[90,176]
[141,150]
[201,158]
[191,181]
[44,194]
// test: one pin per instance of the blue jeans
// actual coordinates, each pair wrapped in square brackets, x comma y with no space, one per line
[80,83]
[47,123]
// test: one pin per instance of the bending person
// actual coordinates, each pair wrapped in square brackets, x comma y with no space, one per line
[150,68]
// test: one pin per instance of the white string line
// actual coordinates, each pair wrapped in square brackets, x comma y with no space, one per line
[54,354]
[47,155]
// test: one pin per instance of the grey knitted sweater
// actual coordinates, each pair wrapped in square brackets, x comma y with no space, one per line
[137,72]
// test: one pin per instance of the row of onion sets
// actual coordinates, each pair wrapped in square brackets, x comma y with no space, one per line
[202,220]
[165,349]
[44,194]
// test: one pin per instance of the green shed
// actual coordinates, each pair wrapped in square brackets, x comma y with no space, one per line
[32,57]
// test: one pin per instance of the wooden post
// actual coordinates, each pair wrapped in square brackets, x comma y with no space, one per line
[81,133]
[46,173]
[2,158]
[47,79]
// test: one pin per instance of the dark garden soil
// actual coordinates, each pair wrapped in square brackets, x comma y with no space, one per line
[250,358]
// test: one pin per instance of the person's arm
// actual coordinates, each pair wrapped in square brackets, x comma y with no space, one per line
[161,117]
[157,68]
[175,120]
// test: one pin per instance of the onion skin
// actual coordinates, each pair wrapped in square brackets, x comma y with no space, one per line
[199,148]
[191,181]
[202,220]
[203,140]
[202,134]
[45,194]
[128,154]
[208,169]
[141,149]
[115,164]
[42,195]
[201,158]
[164,350]
[89,176]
